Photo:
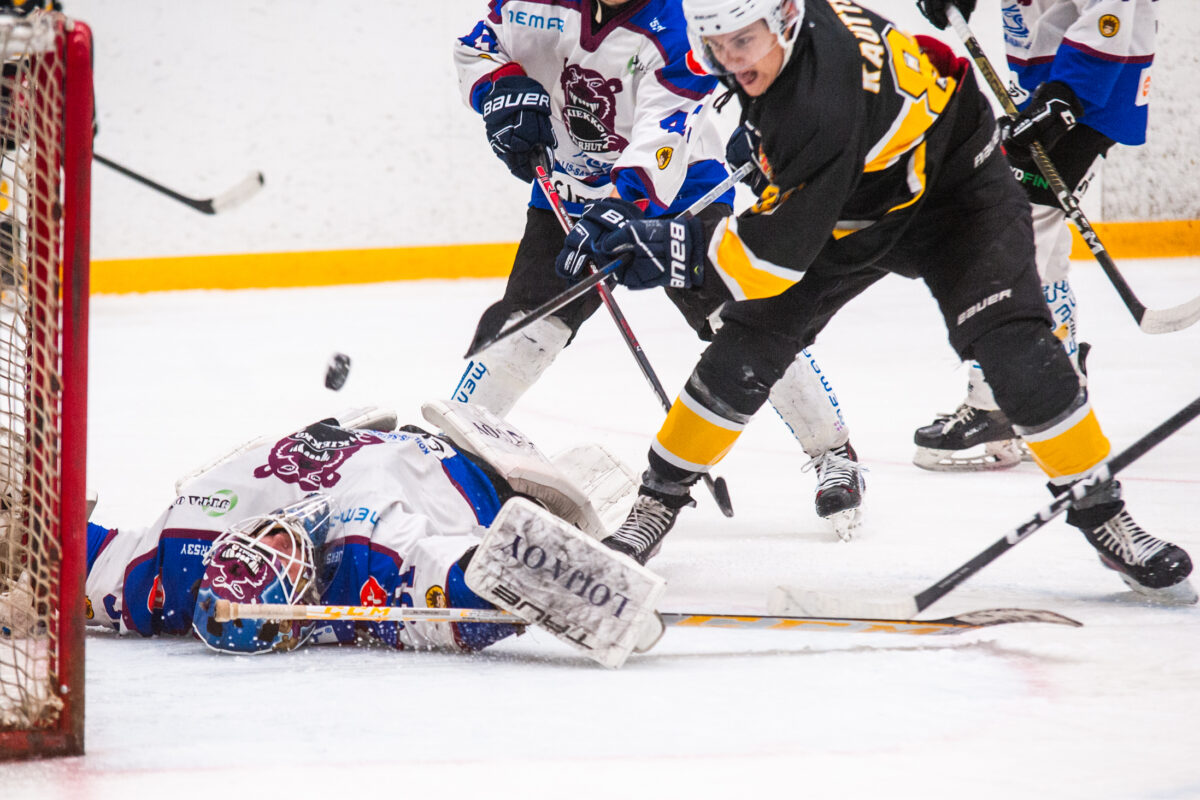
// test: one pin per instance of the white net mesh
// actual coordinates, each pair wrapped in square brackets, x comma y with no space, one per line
[31,136]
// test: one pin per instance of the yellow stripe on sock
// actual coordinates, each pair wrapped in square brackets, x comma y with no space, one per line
[690,441]
[1072,451]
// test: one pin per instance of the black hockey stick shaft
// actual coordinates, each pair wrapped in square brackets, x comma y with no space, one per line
[1149,320]
[235,196]
[1099,476]
[717,486]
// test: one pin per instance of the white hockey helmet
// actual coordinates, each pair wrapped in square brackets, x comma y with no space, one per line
[707,19]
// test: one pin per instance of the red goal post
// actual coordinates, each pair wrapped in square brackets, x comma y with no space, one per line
[46,116]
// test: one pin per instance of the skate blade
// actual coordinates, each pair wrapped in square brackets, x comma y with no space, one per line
[1181,594]
[846,523]
[996,455]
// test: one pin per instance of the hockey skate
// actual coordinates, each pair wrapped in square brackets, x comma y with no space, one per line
[651,518]
[1151,567]
[968,440]
[840,487]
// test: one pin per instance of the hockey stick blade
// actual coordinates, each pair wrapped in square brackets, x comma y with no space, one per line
[959,623]
[816,603]
[235,196]
[1167,320]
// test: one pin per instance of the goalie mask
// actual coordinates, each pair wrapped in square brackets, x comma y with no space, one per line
[264,559]
[731,35]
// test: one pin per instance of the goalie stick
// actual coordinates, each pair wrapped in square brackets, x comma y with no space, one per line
[717,486]
[1150,320]
[973,620]
[233,196]
[823,604]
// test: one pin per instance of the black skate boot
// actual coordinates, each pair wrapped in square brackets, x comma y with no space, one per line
[840,488]
[1149,566]
[652,516]
[942,445]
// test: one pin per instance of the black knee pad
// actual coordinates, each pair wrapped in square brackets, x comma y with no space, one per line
[1029,372]
[742,364]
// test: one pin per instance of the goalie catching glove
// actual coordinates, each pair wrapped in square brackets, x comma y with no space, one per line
[649,252]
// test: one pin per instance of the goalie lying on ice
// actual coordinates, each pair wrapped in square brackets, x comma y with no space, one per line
[357,513]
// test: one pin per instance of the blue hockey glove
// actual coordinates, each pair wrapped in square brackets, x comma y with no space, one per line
[516,115]
[1052,111]
[599,218]
[656,252]
[935,10]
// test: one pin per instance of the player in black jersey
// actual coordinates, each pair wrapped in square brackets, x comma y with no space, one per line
[877,154]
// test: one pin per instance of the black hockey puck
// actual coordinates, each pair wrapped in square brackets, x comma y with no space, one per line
[339,370]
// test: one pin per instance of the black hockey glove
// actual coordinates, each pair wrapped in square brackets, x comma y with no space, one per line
[516,114]
[655,252]
[1052,111]
[599,218]
[935,10]
[742,148]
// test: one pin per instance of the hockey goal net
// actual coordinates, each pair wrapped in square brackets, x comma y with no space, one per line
[45,170]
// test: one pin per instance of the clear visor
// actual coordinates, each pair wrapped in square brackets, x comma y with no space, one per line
[729,53]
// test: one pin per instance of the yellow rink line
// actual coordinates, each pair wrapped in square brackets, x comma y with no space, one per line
[1166,239]
[1158,239]
[319,268]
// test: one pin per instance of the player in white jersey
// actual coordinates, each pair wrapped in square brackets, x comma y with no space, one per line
[1081,77]
[336,515]
[606,92]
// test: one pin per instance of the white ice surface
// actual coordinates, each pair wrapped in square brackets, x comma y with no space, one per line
[1104,711]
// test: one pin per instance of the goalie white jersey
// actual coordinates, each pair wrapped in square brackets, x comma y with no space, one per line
[628,103]
[409,505]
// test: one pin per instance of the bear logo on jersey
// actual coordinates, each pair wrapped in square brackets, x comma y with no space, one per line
[312,457]
[1109,25]
[240,571]
[590,109]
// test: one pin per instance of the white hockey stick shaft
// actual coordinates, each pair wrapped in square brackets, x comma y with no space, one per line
[227,611]
[1149,320]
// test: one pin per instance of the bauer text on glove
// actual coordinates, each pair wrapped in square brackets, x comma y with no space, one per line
[599,218]
[516,115]
[656,252]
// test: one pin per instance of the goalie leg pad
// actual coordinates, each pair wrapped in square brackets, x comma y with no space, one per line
[549,574]
[805,400]
[499,376]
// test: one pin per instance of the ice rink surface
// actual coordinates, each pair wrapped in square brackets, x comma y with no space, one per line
[1108,710]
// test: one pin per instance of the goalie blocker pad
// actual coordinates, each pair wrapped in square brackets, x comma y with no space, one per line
[549,574]
[586,485]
